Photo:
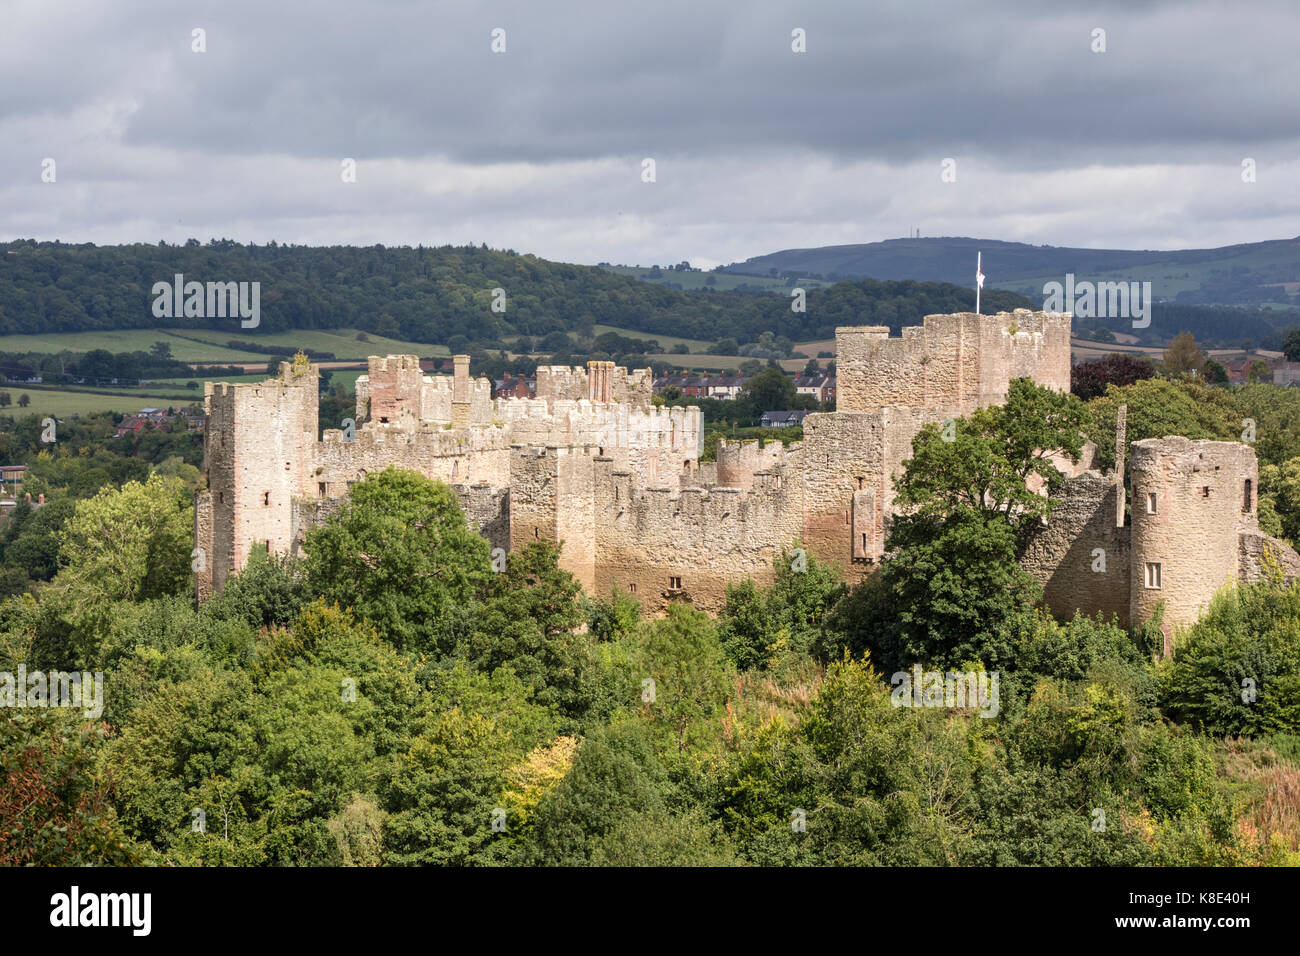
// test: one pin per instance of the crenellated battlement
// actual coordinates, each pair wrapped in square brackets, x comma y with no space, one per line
[592,464]
[956,362]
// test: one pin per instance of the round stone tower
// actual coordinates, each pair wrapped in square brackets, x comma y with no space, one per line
[1191,502]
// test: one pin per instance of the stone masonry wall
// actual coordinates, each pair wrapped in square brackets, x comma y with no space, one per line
[1064,555]
[258,456]
[707,538]
[592,464]
[1191,502]
[952,362]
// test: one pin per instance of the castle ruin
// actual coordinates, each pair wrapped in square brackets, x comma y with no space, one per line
[592,463]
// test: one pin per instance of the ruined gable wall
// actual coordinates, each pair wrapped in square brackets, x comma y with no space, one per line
[575,518]
[955,362]
[1061,555]
[533,508]
[598,382]
[633,386]
[872,370]
[465,456]
[659,444]
[738,462]
[394,386]
[1023,344]
[438,400]
[552,499]
[561,383]
[841,474]
[203,540]
[1260,555]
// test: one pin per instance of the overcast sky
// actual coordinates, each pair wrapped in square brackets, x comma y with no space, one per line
[756,147]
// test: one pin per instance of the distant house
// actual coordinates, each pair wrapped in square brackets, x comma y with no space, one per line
[820,385]
[783,419]
[129,425]
[722,387]
[514,387]
[689,385]
[152,417]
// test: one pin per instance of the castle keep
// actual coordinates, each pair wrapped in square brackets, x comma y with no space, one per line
[592,463]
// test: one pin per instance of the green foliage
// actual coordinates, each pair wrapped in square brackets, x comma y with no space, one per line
[1158,407]
[615,779]
[993,451]
[1276,412]
[1279,500]
[1291,345]
[681,654]
[389,700]
[54,809]
[856,782]
[527,620]
[1237,669]
[428,294]
[788,620]
[127,545]
[400,553]
[269,592]
[951,591]
[613,618]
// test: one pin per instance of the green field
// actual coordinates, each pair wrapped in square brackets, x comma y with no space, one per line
[342,342]
[125,340]
[61,404]
[167,384]
[667,341]
[165,393]
[208,345]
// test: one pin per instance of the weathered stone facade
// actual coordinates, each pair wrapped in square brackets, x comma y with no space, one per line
[1192,528]
[592,463]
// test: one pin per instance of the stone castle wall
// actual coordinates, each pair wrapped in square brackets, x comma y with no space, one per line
[954,362]
[1081,557]
[1191,501]
[592,464]
[708,538]
[258,457]
[598,382]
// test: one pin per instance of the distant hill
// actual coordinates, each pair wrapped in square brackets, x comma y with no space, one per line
[1253,274]
[429,294]
[444,295]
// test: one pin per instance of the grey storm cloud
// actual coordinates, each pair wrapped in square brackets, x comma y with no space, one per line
[757,147]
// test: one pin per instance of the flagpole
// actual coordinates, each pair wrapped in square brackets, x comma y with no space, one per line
[978,270]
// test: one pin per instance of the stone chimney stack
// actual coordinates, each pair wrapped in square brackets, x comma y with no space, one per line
[460,383]
[600,381]
[460,392]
